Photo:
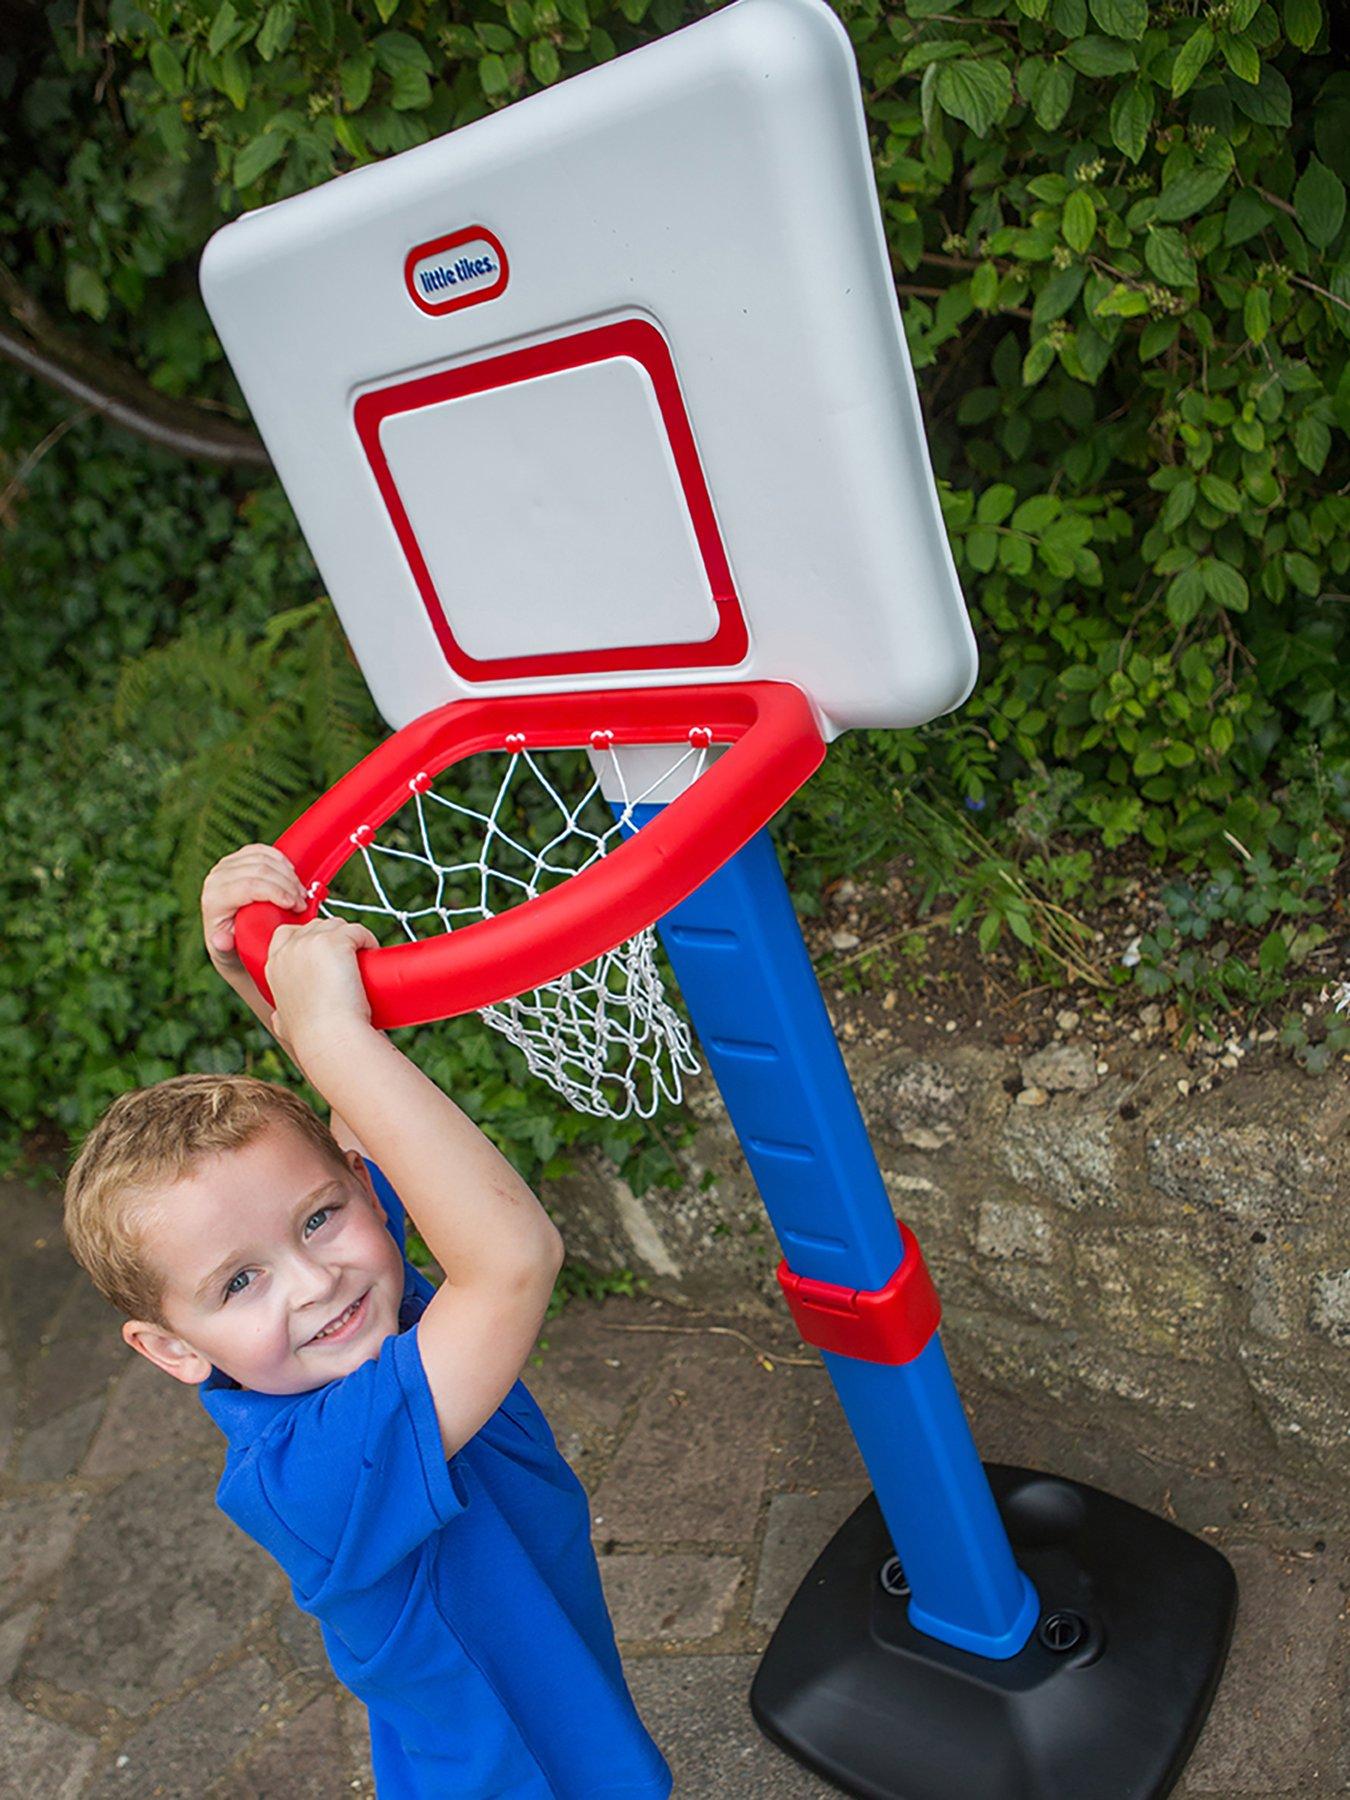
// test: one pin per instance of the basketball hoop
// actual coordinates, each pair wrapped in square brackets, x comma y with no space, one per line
[557,951]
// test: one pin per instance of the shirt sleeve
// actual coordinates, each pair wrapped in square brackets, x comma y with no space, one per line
[348,1482]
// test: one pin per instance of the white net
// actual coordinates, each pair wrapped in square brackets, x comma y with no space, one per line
[604,1036]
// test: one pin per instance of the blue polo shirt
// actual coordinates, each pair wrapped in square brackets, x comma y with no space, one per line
[459,1600]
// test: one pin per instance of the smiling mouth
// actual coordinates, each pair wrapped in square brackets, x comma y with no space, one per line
[347,1323]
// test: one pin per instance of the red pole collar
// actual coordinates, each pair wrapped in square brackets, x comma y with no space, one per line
[891,1324]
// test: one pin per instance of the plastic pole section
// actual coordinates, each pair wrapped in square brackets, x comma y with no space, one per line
[746,976]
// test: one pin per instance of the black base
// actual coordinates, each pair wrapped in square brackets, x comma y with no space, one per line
[885,1713]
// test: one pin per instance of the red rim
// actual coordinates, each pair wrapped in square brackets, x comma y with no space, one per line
[775,745]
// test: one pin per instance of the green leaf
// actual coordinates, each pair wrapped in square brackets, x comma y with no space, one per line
[165,67]
[1049,91]
[995,503]
[1069,17]
[277,28]
[492,76]
[981,548]
[256,157]
[1302,22]
[1180,504]
[1191,59]
[355,76]
[1256,313]
[1224,584]
[1131,117]
[395,50]
[85,291]
[1168,255]
[1037,361]
[1319,201]
[386,9]
[1185,596]
[1274,952]
[984,287]
[1096,56]
[1080,220]
[1220,493]
[1189,194]
[1241,57]
[1122,18]
[1312,442]
[223,28]
[1158,335]
[1058,295]
[1304,573]
[544,64]
[1270,102]
[409,90]
[1247,214]
[520,17]
[978,92]
[232,75]
[1033,515]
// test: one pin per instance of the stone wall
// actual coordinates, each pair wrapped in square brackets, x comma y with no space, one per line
[1163,1257]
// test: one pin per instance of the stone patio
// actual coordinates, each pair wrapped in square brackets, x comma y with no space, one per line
[146,1648]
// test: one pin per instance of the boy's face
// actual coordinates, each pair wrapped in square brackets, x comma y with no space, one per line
[278,1268]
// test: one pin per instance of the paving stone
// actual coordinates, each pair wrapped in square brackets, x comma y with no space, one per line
[590,1373]
[9,1405]
[38,1273]
[40,1759]
[70,1370]
[158,1585]
[799,1527]
[355,1724]
[670,1597]
[812,1444]
[692,1466]
[1278,1724]
[54,1449]
[13,1636]
[35,1536]
[177,1752]
[299,1632]
[149,1419]
[301,1759]
[697,1709]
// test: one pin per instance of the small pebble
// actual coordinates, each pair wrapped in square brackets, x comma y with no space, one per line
[1067,1020]
[1103,1068]
[889,1003]
[1183,1086]
[950,1025]
[845,940]
[1032,1096]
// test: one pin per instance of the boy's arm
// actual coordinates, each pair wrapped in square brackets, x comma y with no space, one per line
[500,1251]
[257,872]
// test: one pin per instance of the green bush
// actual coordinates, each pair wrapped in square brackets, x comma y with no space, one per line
[1119,236]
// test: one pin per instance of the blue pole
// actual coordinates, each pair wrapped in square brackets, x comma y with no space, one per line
[752,994]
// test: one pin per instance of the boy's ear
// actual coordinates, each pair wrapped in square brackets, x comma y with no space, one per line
[166,1351]
[357,1164]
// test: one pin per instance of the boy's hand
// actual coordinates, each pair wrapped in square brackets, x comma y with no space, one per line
[316,985]
[257,872]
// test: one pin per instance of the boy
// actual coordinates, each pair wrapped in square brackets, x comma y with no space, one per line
[381,1446]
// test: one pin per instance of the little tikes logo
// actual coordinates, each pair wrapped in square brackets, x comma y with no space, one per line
[460,270]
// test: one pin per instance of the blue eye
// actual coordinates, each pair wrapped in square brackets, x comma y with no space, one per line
[315,1219]
[237,1283]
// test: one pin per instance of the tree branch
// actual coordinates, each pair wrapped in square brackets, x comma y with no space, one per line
[123,396]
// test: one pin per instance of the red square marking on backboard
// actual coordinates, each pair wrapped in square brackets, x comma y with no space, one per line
[642,343]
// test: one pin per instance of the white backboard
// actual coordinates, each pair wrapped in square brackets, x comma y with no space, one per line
[610,389]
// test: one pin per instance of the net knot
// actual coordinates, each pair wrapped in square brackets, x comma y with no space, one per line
[602,740]
[362,835]
[700,737]
[420,782]
[514,741]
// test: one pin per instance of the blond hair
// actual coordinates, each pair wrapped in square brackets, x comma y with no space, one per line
[146,1140]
